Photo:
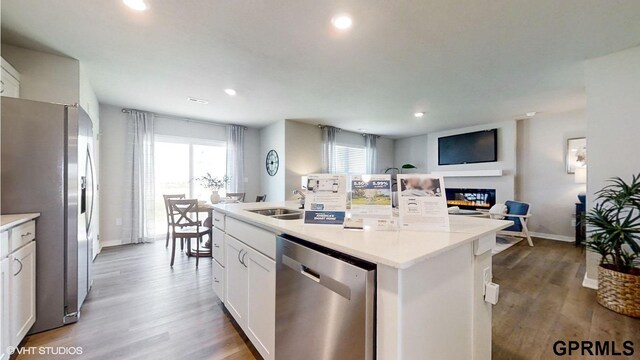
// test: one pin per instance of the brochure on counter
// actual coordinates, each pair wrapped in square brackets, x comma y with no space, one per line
[422,201]
[325,199]
[371,206]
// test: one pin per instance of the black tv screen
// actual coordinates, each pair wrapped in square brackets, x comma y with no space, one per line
[474,147]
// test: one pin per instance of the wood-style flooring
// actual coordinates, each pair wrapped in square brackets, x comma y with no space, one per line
[542,301]
[140,308]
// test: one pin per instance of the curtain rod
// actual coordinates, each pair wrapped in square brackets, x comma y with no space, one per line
[173,117]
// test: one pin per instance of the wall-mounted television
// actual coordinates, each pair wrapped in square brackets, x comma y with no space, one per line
[468,148]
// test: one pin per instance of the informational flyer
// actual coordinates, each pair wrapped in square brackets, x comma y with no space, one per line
[422,201]
[371,196]
[325,199]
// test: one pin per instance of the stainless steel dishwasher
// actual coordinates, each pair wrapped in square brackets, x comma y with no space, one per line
[325,303]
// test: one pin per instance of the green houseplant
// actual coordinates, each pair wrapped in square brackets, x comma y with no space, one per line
[614,229]
[214,184]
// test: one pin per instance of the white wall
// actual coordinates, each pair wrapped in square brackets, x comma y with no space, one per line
[273,137]
[542,179]
[113,136]
[45,77]
[505,184]
[303,153]
[613,104]
[411,150]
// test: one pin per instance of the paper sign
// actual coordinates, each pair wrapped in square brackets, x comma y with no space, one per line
[325,199]
[422,201]
[371,196]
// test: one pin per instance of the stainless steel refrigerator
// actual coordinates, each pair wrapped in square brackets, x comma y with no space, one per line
[47,167]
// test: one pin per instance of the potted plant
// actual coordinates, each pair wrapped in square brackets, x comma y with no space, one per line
[214,184]
[614,229]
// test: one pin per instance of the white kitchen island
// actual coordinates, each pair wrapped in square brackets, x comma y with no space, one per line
[429,288]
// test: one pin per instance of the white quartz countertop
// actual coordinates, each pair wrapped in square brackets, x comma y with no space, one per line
[398,249]
[10,220]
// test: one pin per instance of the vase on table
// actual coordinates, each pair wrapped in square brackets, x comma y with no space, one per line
[215,197]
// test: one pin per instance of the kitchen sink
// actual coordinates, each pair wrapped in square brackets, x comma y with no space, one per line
[292,216]
[279,213]
[276,212]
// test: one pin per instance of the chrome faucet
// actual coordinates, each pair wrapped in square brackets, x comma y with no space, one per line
[302,197]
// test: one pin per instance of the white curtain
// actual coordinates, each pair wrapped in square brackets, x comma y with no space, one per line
[370,152]
[139,192]
[235,158]
[329,149]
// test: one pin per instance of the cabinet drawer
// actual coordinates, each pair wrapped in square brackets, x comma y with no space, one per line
[21,235]
[217,278]
[259,239]
[217,245]
[4,244]
[218,220]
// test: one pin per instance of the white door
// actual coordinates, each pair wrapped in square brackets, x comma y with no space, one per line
[261,311]
[236,280]
[22,292]
[4,309]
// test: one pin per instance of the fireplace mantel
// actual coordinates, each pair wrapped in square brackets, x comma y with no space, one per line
[469,173]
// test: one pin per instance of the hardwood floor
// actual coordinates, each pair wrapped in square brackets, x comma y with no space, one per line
[542,301]
[140,308]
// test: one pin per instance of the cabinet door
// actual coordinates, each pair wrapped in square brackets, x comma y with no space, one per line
[218,245]
[9,86]
[261,310]
[4,309]
[236,280]
[217,279]
[22,292]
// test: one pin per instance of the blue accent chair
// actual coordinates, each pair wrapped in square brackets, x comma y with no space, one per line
[519,213]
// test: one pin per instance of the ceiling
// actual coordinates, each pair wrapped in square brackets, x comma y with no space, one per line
[463,62]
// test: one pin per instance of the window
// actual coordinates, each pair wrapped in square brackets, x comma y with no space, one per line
[350,159]
[177,164]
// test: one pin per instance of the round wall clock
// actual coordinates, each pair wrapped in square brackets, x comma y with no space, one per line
[272,163]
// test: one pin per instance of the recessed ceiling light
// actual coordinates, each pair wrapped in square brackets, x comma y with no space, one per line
[197,101]
[418,114]
[138,5]
[342,21]
[531,114]
[230,92]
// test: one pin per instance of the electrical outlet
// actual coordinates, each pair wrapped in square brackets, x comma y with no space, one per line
[118,221]
[486,275]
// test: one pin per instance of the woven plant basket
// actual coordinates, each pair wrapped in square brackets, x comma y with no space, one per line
[619,292]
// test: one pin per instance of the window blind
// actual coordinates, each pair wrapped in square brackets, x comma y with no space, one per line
[350,159]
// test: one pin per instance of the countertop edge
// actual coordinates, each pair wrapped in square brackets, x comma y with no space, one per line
[350,251]
[15,220]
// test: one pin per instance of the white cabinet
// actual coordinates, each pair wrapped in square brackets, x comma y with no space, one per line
[250,293]
[17,284]
[236,290]
[9,81]
[22,292]
[4,309]
[261,309]
[218,274]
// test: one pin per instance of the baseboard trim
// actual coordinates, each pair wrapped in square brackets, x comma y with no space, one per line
[590,283]
[109,243]
[553,237]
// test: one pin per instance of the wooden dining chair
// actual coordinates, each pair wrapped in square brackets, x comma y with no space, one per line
[261,198]
[186,224]
[239,196]
[168,211]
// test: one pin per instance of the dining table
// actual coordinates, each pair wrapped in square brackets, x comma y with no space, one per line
[207,208]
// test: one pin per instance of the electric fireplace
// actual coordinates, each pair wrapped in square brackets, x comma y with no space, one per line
[471,199]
